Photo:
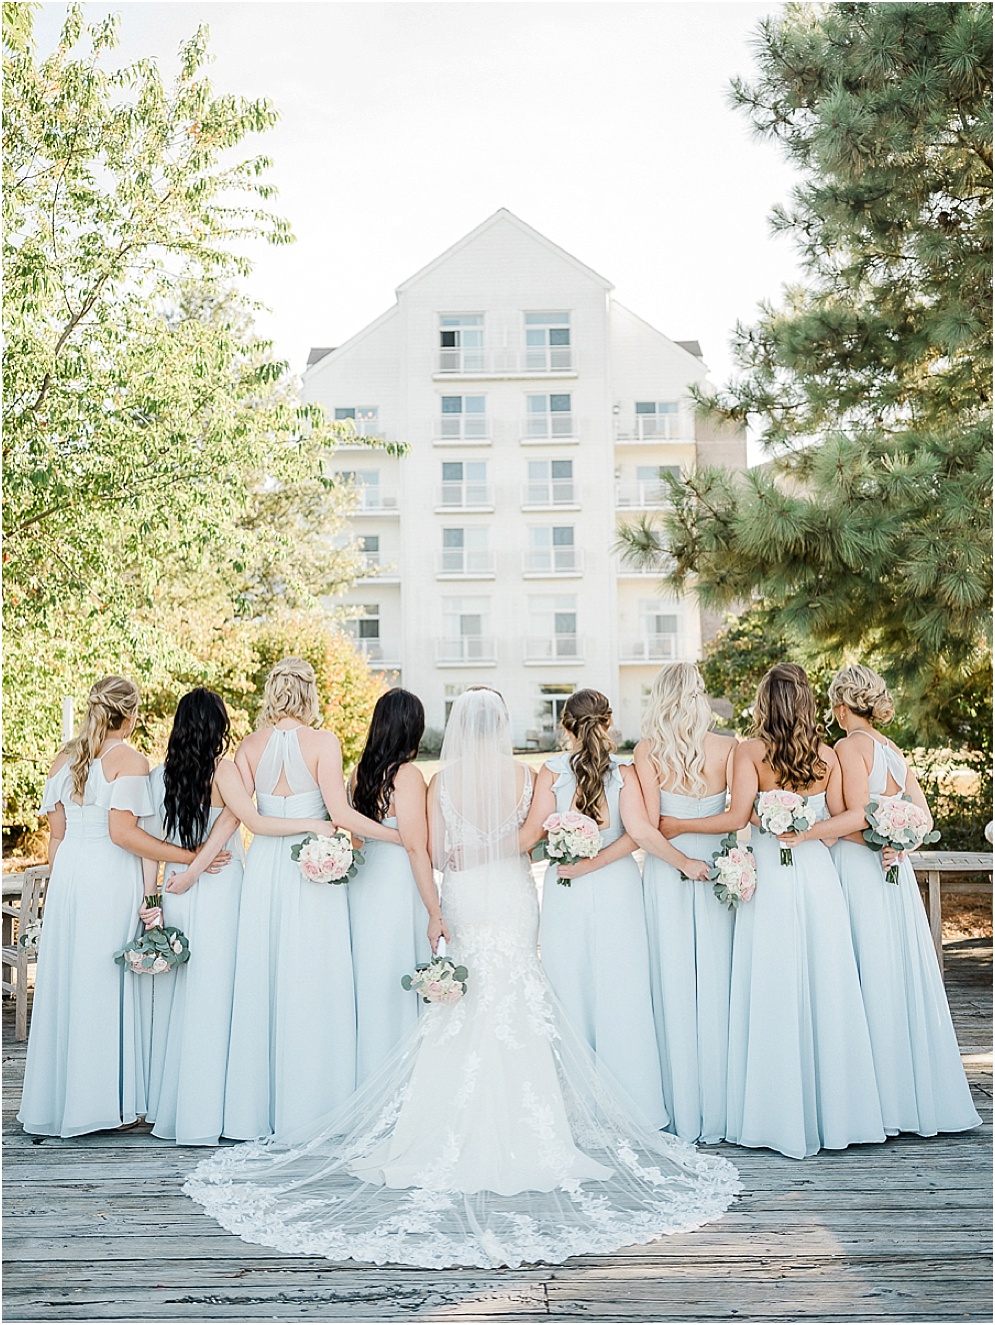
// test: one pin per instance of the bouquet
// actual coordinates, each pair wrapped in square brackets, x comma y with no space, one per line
[27,939]
[437,981]
[570,838]
[784,812]
[897,822]
[733,872]
[330,859]
[157,950]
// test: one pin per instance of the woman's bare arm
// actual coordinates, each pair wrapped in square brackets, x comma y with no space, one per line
[742,794]
[543,805]
[228,780]
[332,786]
[632,807]
[411,810]
[649,780]
[56,830]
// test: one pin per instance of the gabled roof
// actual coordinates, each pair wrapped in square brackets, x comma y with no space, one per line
[318,352]
[318,359]
[690,347]
[503,216]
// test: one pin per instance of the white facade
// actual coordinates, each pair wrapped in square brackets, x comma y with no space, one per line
[538,412]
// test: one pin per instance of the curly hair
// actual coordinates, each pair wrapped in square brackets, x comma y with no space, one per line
[396,729]
[863,692]
[111,702]
[676,721]
[784,719]
[587,717]
[200,736]
[291,691]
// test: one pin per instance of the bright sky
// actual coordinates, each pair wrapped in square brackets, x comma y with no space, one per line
[606,126]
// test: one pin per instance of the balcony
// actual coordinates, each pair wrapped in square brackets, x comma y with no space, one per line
[375,568]
[535,361]
[642,495]
[462,429]
[546,561]
[378,653]
[538,428]
[657,569]
[465,651]
[459,563]
[554,648]
[650,649]
[361,432]
[651,428]
[372,499]
[550,494]
[464,496]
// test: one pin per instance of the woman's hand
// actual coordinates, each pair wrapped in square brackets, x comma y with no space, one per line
[578,870]
[150,916]
[437,929]
[179,882]
[695,869]
[219,862]
[793,837]
[889,857]
[668,826]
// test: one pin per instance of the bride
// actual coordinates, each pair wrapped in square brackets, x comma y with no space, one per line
[491,1136]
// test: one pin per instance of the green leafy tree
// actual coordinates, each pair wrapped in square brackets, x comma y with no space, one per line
[868,531]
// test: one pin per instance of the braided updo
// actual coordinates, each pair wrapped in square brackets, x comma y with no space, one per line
[587,717]
[863,692]
[111,702]
[291,691]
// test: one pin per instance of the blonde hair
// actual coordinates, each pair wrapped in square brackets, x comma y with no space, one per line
[675,724]
[111,702]
[291,691]
[784,719]
[863,692]
[587,717]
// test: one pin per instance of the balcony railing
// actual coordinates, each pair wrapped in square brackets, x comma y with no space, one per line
[534,361]
[553,648]
[654,428]
[651,648]
[375,500]
[468,563]
[462,428]
[655,569]
[552,427]
[465,649]
[565,560]
[368,428]
[463,359]
[550,492]
[548,359]
[642,495]
[374,567]
[374,650]
[465,496]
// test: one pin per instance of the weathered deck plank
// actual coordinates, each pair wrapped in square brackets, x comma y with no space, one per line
[97,1229]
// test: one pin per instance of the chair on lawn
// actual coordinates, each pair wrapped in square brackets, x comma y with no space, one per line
[29,889]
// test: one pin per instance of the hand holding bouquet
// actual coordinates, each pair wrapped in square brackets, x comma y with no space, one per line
[327,859]
[570,838]
[733,872]
[437,981]
[27,939]
[897,822]
[784,812]
[158,949]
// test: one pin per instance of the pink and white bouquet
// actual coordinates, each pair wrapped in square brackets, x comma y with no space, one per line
[733,872]
[327,859]
[437,981]
[156,950]
[570,838]
[784,812]
[897,822]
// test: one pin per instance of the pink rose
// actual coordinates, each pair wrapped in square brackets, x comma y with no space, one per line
[553,823]
[748,890]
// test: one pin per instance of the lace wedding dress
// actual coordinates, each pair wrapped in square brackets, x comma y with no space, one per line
[491,1136]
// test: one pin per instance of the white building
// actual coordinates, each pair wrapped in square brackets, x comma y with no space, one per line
[539,413]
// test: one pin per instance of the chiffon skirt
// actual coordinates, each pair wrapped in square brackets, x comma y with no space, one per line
[917,1061]
[801,1074]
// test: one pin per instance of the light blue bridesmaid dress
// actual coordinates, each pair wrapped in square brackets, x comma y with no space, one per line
[190,1008]
[801,1075]
[292,1053]
[593,948]
[916,1057]
[85,1066]
[389,928]
[690,937]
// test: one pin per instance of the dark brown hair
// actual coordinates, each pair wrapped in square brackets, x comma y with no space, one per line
[784,719]
[587,717]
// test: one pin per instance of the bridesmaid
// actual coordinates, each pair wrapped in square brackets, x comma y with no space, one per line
[801,1075]
[198,796]
[85,1065]
[916,1057]
[592,934]
[684,771]
[393,896]
[292,1053]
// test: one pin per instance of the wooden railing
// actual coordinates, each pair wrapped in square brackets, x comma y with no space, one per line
[944,871]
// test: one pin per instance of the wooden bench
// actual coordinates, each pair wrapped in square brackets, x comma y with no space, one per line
[940,870]
[29,890]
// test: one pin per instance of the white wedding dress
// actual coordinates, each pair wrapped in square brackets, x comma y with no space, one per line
[491,1136]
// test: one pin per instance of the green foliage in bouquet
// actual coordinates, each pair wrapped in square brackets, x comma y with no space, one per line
[441,971]
[157,950]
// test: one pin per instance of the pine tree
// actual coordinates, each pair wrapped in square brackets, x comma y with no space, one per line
[867,532]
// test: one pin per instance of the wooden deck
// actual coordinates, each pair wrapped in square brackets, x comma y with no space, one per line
[97,1229]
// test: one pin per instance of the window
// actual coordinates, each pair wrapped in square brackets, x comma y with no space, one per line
[553,627]
[660,629]
[549,416]
[547,342]
[551,483]
[461,343]
[465,623]
[364,417]
[464,483]
[369,550]
[649,480]
[368,483]
[551,549]
[549,706]
[451,694]
[463,416]
[465,551]
[363,624]
[657,418]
